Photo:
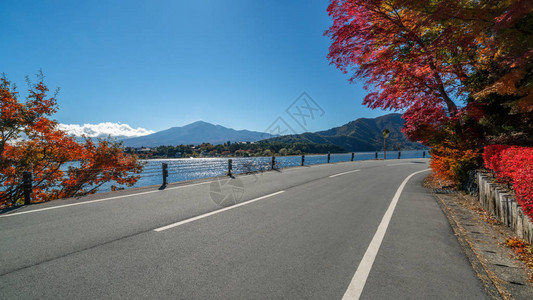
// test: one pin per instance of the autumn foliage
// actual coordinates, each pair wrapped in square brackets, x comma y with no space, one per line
[461,71]
[513,165]
[524,251]
[453,163]
[61,166]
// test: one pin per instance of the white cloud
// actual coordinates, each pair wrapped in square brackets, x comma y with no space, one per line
[104,129]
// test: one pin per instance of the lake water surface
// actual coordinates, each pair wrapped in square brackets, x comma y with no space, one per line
[181,169]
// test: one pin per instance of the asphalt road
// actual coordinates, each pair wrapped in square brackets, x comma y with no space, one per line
[318,232]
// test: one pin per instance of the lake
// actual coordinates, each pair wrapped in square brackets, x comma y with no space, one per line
[181,169]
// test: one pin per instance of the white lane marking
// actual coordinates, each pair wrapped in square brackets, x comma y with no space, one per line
[215,212]
[363,270]
[100,200]
[183,186]
[408,163]
[343,173]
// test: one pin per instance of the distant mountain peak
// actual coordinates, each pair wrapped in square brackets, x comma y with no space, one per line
[199,122]
[364,134]
[194,133]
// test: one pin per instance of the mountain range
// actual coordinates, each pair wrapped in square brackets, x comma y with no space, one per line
[364,134]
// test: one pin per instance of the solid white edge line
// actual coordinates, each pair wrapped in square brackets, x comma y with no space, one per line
[363,270]
[100,200]
[215,212]
[335,175]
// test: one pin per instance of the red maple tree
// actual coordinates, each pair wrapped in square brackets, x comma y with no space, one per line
[62,167]
[458,69]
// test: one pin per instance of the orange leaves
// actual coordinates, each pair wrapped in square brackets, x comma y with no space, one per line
[9,106]
[506,85]
[524,251]
[61,166]
[525,104]
[98,165]
[451,162]
[515,243]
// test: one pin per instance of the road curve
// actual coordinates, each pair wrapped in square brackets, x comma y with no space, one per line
[299,233]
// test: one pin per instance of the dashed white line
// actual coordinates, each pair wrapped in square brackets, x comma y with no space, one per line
[335,175]
[409,163]
[359,279]
[215,212]
[100,200]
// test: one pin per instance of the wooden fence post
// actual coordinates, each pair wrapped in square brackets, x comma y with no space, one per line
[165,173]
[28,186]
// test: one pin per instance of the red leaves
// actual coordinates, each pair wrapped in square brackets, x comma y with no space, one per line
[513,165]
[423,122]
[423,56]
[393,47]
[429,51]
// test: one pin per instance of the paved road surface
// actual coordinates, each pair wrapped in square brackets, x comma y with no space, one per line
[300,233]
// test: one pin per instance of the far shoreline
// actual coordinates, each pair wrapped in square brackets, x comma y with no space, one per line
[277,155]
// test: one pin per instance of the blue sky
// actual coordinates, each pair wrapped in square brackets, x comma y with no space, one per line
[159,64]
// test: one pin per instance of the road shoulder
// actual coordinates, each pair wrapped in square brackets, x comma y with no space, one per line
[483,243]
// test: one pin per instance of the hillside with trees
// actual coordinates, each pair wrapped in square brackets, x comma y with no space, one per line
[243,149]
[364,134]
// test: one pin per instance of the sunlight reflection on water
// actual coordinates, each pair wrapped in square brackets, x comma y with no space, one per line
[181,169]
